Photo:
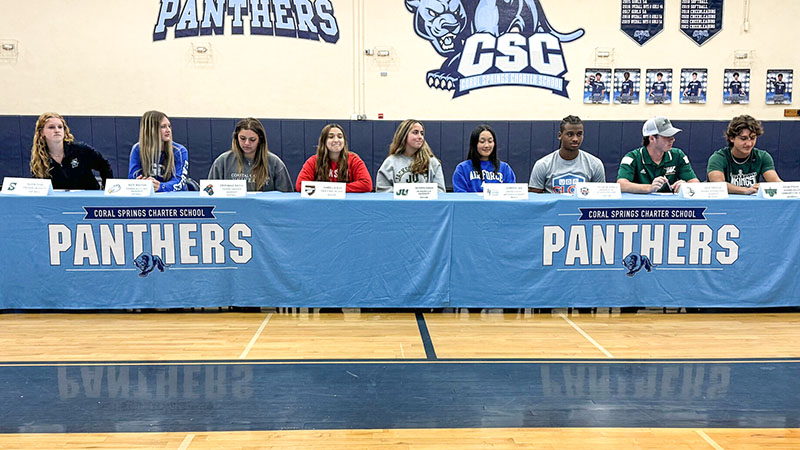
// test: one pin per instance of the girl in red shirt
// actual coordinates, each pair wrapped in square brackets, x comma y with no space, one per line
[335,162]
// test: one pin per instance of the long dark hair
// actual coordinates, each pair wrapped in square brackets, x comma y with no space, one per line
[473,154]
[260,170]
[322,170]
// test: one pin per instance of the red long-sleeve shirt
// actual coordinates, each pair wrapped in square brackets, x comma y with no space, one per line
[357,171]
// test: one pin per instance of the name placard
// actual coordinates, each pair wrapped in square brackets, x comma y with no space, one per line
[121,187]
[505,191]
[779,190]
[223,188]
[322,189]
[597,190]
[27,186]
[704,191]
[416,191]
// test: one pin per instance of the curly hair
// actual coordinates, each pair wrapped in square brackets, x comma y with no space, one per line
[743,122]
[40,156]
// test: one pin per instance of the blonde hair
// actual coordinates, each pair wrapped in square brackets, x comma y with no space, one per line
[40,156]
[324,161]
[151,146]
[423,156]
[260,171]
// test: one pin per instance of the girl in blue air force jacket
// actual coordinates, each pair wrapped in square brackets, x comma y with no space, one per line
[482,164]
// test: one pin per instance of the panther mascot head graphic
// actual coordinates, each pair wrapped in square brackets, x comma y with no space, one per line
[147,263]
[441,22]
[634,263]
[447,24]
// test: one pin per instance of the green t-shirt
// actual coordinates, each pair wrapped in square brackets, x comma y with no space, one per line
[744,174]
[637,167]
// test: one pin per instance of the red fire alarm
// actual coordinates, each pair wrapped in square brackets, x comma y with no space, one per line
[380,115]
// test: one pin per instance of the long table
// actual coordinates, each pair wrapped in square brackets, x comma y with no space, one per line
[83,250]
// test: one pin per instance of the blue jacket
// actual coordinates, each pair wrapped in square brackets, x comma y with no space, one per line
[178,180]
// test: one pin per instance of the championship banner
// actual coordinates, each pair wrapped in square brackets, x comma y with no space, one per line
[642,19]
[701,19]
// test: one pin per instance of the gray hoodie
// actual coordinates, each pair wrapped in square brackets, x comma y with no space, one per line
[397,169]
[226,167]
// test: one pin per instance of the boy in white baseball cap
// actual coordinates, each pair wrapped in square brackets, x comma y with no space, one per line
[655,166]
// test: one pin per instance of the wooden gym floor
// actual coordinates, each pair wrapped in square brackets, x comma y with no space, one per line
[352,379]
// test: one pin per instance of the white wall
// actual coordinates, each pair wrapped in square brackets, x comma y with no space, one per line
[98,57]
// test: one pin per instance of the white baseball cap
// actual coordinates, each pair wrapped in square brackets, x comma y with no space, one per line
[660,126]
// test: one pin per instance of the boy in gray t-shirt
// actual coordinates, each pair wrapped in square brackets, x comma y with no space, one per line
[559,171]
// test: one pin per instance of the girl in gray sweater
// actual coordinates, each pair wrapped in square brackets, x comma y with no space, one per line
[410,159]
[249,159]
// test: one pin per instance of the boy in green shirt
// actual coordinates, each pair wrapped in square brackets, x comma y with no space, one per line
[741,164]
[655,166]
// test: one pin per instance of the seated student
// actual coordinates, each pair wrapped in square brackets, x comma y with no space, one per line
[482,164]
[335,162]
[156,157]
[655,166]
[741,164]
[249,159]
[560,170]
[410,159]
[67,163]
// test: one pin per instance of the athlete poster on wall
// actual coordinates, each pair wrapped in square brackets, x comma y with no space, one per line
[659,86]
[642,19]
[693,85]
[737,87]
[701,19]
[596,86]
[779,86]
[626,86]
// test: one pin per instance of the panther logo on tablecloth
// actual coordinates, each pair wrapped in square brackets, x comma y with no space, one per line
[634,263]
[147,263]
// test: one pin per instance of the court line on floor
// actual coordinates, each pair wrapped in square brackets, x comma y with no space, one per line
[255,337]
[186,441]
[430,353]
[236,362]
[584,334]
[708,439]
